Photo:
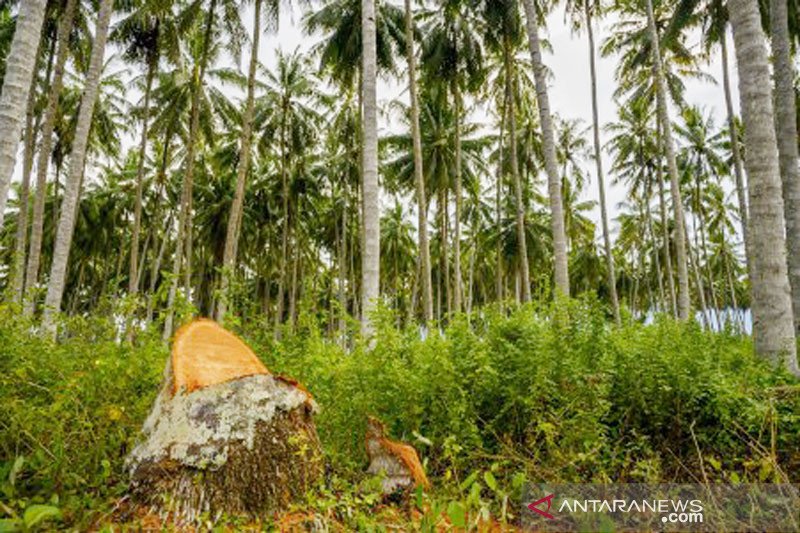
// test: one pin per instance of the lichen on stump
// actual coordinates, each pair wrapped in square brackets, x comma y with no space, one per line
[224,435]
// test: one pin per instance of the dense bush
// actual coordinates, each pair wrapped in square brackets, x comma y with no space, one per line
[553,393]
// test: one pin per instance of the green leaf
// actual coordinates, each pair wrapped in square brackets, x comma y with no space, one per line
[491,482]
[39,513]
[7,525]
[457,514]
[469,481]
[15,469]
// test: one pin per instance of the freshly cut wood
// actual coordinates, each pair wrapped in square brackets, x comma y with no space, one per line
[225,436]
[206,354]
[398,463]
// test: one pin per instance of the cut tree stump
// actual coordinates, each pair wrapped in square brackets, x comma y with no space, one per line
[398,463]
[225,436]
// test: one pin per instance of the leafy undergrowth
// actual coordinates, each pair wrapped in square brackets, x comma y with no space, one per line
[544,393]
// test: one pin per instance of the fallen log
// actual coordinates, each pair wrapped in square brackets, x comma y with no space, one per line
[224,436]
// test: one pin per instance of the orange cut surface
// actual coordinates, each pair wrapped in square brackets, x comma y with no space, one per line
[205,354]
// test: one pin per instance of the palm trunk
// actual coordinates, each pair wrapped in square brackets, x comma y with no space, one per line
[278,318]
[611,273]
[786,129]
[498,203]
[522,243]
[738,172]
[183,244]
[66,223]
[457,278]
[235,218]
[549,148]
[669,146]
[133,273]
[419,174]
[21,235]
[43,158]
[773,324]
[20,66]
[370,258]
[662,205]
[342,267]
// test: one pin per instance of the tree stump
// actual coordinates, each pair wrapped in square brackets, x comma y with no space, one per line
[225,436]
[398,463]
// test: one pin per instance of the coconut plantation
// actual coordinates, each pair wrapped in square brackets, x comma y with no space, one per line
[384,265]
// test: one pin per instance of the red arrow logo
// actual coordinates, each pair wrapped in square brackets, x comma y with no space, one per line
[549,499]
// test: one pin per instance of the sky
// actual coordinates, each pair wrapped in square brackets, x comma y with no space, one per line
[569,85]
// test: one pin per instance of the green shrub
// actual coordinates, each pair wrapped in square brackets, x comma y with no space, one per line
[545,393]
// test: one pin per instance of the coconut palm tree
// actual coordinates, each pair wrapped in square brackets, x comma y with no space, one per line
[226,22]
[419,172]
[146,33]
[452,55]
[773,325]
[786,129]
[66,224]
[549,149]
[19,69]
[583,13]
[234,220]
[370,258]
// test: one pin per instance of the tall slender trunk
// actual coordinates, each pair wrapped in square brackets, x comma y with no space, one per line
[611,271]
[457,278]
[662,206]
[66,223]
[419,174]
[786,129]
[549,148]
[20,66]
[278,318]
[370,258]
[183,244]
[235,218]
[342,267]
[498,202]
[21,235]
[773,324]
[669,146]
[522,243]
[738,171]
[133,271]
[654,243]
[43,158]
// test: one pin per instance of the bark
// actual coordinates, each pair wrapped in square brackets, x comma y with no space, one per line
[522,243]
[21,235]
[786,129]
[284,229]
[370,262]
[457,278]
[738,171]
[669,147]
[183,244]
[235,218]
[20,66]
[133,273]
[419,174]
[773,324]
[662,205]
[43,159]
[66,223]
[549,148]
[611,271]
